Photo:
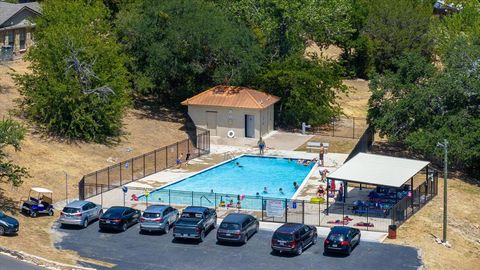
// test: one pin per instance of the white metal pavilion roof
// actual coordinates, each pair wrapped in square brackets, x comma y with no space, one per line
[378,170]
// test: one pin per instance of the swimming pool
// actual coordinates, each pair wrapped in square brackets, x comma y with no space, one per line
[246,179]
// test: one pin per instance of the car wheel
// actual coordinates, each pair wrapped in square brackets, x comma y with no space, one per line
[202,236]
[50,212]
[33,214]
[299,250]
[358,242]
[314,240]
[2,230]
[167,228]
[124,227]
[85,223]
[349,250]
[257,228]
[245,239]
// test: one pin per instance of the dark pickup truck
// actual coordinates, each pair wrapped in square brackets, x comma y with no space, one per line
[194,222]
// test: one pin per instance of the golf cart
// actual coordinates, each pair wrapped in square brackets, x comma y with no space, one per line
[39,202]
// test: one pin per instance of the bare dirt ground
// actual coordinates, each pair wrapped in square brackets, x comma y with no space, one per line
[49,159]
[463,227]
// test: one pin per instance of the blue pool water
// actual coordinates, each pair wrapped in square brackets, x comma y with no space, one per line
[254,174]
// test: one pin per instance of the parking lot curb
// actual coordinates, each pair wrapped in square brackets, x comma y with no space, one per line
[39,261]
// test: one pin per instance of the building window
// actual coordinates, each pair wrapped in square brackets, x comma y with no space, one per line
[11,39]
[22,39]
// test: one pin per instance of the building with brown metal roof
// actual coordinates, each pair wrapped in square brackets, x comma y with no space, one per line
[233,111]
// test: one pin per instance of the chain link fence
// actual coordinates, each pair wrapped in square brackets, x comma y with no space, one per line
[138,167]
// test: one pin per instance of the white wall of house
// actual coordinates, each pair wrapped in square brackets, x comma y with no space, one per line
[231,119]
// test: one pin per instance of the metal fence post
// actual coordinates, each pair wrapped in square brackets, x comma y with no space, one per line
[155,160]
[143,165]
[169,197]
[333,129]
[96,182]
[286,211]
[132,172]
[166,157]
[177,150]
[108,178]
[262,208]
[353,135]
[120,173]
[303,212]
[192,198]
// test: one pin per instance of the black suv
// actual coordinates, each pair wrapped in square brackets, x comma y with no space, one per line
[342,239]
[237,228]
[194,222]
[294,238]
[8,225]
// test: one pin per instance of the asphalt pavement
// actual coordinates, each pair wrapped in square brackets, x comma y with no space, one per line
[9,263]
[132,250]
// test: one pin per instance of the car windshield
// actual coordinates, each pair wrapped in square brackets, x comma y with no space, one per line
[230,226]
[335,237]
[70,210]
[283,236]
[151,215]
[113,213]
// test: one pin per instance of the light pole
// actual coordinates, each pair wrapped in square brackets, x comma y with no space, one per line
[444,145]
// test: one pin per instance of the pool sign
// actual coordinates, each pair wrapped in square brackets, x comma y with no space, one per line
[275,208]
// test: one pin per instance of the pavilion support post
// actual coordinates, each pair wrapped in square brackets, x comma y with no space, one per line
[413,197]
[426,183]
[328,192]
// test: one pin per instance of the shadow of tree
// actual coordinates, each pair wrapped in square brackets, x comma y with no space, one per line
[7,204]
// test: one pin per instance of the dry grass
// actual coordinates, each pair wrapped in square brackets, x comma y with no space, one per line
[463,228]
[355,102]
[48,159]
[336,145]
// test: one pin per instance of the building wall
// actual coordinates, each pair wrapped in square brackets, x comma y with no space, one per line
[16,25]
[233,119]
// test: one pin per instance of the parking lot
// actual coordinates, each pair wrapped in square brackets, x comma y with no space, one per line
[132,250]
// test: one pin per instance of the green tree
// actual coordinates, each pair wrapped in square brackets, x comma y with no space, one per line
[395,28]
[182,47]
[78,87]
[307,87]
[421,107]
[282,26]
[11,135]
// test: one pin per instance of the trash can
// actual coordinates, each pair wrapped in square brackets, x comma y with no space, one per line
[392,231]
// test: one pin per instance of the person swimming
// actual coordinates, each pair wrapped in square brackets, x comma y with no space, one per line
[280,190]
[257,194]
[238,164]
[265,190]
[295,185]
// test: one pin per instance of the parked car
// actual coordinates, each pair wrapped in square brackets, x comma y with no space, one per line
[194,222]
[342,239]
[237,228]
[80,213]
[293,238]
[158,218]
[8,225]
[39,202]
[119,218]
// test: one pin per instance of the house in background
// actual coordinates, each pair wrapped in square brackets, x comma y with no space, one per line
[233,111]
[16,26]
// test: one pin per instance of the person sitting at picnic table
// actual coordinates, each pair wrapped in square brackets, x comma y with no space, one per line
[320,191]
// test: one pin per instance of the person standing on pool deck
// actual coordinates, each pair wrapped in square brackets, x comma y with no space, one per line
[261,145]
[321,153]
[187,158]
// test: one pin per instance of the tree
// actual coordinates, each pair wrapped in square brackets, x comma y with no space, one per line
[11,135]
[395,28]
[422,107]
[182,47]
[78,87]
[307,87]
[282,26]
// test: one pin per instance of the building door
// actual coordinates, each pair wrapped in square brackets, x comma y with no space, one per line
[212,122]
[249,126]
